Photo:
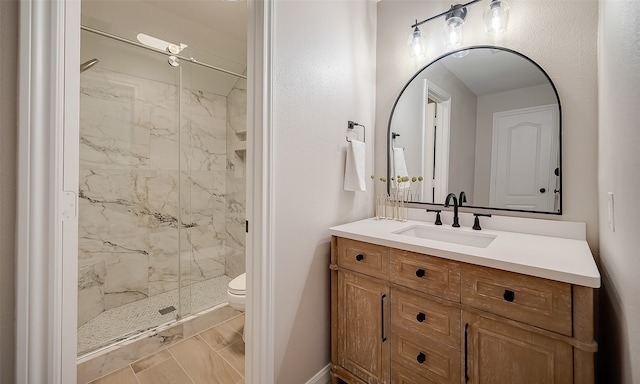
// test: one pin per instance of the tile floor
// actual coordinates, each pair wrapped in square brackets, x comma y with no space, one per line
[215,355]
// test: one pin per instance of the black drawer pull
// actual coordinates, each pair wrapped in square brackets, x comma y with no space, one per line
[421,317]
[359,257]
[420,272]
[466,352]
[384,338]
[421,358]
[509,295]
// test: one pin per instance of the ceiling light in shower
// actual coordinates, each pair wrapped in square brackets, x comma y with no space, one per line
[160,44]
[496,16]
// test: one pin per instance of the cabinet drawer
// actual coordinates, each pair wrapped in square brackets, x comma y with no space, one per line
[369,259]
[429,274]
[536,301]
[402,375]
[429,359]
[426,317]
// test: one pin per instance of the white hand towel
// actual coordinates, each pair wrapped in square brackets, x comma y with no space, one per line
[399,165]
[354,178]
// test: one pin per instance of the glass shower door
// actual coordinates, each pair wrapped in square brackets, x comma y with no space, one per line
[161,215]
[130,191]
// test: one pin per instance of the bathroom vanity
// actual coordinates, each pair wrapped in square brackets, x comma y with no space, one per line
[416,303]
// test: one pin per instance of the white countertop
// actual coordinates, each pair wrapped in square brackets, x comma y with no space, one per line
[561,259]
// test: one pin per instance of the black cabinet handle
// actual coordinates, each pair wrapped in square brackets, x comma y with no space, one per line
[466,349]
[543,190]
[420,272]
[421,358]
[359,257]
[382,316]
[421,317]
[509,295]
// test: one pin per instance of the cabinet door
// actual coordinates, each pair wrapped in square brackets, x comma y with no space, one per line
[363,323]
[498,353]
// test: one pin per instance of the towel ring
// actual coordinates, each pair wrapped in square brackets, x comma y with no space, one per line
[352,125]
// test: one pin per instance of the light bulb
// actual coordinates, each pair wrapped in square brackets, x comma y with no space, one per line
[496,16]
[417,45]
[453,35]
[454,21]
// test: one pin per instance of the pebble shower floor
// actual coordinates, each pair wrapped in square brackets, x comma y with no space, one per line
[127,320]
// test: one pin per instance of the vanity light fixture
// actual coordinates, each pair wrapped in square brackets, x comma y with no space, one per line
[417,44]
[496,16]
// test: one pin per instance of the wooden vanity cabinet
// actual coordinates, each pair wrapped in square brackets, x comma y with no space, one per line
[363,323]
[402,317]
[499,353]
[360,312]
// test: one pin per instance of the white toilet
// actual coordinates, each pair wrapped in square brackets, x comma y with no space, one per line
[237,292]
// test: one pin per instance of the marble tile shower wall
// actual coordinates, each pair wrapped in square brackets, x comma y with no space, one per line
[131,167]
[236,179]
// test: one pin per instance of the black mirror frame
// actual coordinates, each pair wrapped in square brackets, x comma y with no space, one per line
[389,140]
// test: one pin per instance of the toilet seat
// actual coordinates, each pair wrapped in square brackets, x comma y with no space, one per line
[238,286]
[237,294]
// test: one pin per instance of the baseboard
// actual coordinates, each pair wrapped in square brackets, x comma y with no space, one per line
[322,377]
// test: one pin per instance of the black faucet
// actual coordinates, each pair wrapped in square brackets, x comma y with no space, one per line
[455,208]
[462,198]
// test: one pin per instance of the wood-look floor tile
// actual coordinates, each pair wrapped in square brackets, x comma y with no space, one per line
[208,320]
[202,363]
[121,376]
[235,356]
[167,372]
[237,323]
[150,361]
[220,336]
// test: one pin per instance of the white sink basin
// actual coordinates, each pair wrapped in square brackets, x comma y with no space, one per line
[453,235]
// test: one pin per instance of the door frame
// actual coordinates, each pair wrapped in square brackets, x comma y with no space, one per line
[47,221]
[441,146]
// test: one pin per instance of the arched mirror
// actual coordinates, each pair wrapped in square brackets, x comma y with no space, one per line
[484,120]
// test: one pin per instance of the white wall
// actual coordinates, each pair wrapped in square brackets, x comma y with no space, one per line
[618,172]
[324,68]
[559,35]
[462,136]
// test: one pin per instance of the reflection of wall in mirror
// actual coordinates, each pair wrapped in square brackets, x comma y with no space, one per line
[499,102]
[462,146]
[407,121]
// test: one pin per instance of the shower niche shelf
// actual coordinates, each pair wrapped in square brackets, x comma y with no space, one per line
[241,148]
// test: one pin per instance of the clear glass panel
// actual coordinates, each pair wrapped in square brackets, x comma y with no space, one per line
[129,192]
[188,225]
[213,180]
